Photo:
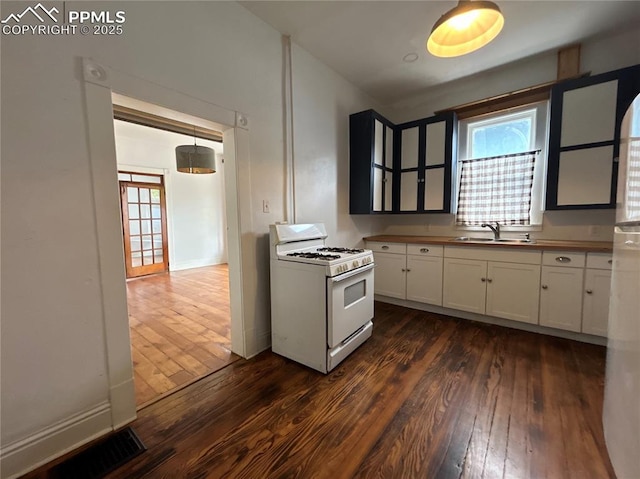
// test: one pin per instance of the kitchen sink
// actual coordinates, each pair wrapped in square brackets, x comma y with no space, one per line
[473,240]
[469,239]
[514,240]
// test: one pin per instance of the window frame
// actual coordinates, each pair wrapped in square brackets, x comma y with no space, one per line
[539,141]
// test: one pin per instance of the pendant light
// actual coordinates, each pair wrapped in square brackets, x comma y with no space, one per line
[465,28]
[195,159]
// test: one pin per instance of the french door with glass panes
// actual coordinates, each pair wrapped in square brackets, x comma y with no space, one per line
[144,224]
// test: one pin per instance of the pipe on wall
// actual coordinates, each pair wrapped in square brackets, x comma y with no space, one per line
[289,151]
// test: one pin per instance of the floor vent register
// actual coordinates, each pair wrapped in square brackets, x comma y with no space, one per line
[101,458]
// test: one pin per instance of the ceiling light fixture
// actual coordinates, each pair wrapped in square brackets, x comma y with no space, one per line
[195,159]
[465,28]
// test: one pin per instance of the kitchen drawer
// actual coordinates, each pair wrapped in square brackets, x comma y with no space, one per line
[563,258]
[599,260]
[493,253]
[376,247]
[425,249]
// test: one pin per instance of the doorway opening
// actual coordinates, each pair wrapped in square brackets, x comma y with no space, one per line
[175,244]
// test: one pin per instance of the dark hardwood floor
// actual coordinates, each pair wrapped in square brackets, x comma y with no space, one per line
[426,396]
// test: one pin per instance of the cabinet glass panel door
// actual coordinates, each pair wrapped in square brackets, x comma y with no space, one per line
[378,140]
[377,189]
[589,114]
[434,189]
[584,176]
[388,148]
[388,190]
[409,191]
[436,138]
[410,140]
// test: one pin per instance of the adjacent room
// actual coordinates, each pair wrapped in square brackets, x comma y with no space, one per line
[174,242]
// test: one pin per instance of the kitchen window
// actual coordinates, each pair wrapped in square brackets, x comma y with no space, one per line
[501,167]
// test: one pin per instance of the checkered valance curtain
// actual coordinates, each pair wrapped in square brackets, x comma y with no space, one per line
[496,189]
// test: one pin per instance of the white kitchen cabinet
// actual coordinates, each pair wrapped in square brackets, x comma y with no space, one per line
[597,289]
[416,276]
[424,274]
[390,274]
[492,281]
[503,290]
[513,291]
[561,290]
[464,285]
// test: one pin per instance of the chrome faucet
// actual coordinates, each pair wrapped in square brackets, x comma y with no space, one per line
[495,229]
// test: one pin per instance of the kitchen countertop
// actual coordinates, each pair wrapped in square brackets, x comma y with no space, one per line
[563,245]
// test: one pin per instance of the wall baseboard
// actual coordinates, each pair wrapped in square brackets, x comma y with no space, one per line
[533,328]
[123,403]
[39,448]
[199,263]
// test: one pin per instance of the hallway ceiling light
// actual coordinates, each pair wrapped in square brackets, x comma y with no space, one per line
[465,28]
[195,159]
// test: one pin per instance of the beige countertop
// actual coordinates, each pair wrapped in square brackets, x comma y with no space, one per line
[563,245]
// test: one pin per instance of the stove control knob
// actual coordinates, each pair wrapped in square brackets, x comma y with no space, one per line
[355,264]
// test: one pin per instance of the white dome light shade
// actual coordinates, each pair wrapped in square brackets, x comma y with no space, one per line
[465,28]
[195,159]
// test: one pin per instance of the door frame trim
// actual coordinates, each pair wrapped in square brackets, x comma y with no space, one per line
[100,82]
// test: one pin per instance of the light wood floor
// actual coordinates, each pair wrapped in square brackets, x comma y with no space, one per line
[426,397]
[180,329]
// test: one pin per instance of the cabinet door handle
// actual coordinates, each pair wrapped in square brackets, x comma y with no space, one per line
[424,250]
[384,247]
[408,270]
[483,279]
[610,261]
[384,180]
[544,286]
[589,291]
[489,280]
[563,259]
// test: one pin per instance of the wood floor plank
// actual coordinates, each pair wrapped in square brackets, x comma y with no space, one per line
[170,334]
[425,397]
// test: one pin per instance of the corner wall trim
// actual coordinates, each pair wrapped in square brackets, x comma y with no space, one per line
[37,449]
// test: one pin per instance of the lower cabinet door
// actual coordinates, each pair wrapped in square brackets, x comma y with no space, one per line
[561,297]
[390,274]
[424,279]
[595,307]
[464,285]
[513,291]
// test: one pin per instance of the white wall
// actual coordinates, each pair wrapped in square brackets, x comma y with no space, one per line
[53,355]
[196,226]
[322,103]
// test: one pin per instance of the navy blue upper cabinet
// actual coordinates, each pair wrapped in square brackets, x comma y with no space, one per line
[426,157]
[400,169]
[371,145]
[584,138]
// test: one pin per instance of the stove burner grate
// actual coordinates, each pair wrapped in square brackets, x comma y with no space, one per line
[341,250]
[315,256]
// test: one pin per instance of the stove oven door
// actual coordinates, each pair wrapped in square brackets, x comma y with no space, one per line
[350,303]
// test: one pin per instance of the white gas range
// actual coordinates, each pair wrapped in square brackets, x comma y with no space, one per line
[321,297]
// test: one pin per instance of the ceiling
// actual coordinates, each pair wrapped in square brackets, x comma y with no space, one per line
[366,41]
